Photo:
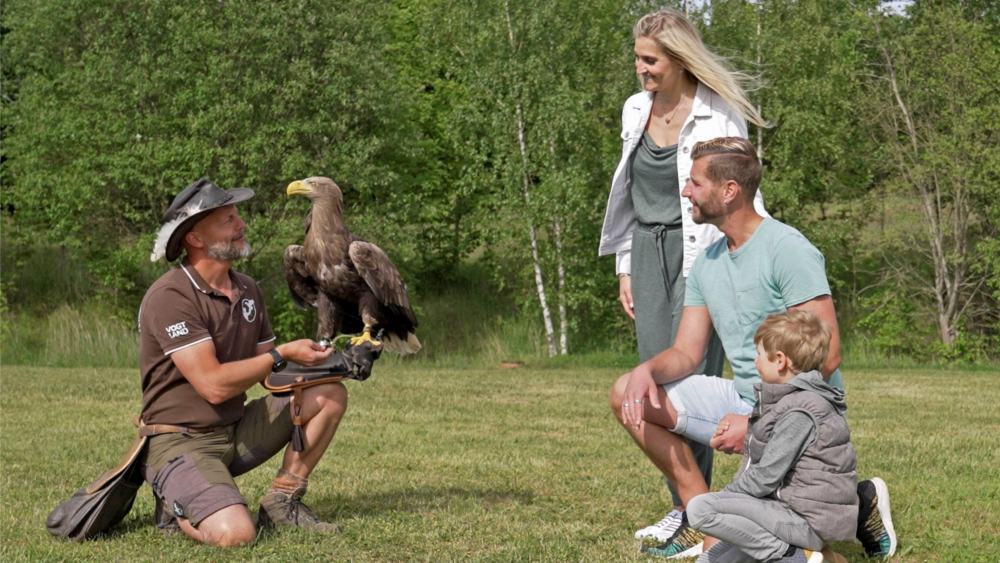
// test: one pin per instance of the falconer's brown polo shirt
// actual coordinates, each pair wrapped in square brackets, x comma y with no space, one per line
[181,310]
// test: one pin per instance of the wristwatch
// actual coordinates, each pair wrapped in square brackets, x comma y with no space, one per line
[279,362]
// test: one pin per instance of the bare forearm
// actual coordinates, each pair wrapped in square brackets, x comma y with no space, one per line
[218,383]
[670,365]
[234,378]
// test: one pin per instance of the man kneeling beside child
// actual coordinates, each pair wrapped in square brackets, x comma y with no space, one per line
[796,489]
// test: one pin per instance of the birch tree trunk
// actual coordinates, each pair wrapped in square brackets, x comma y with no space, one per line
[526,181]
[943,201]
[561,271]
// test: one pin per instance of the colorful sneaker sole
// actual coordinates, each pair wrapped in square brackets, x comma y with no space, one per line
[883,508]
[693,551]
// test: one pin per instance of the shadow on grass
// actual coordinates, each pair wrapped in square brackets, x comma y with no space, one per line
[343,507]
[415,501]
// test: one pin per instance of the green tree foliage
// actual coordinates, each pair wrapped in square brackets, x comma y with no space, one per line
[119,104]
[537,115]
[934,99]
[487,130]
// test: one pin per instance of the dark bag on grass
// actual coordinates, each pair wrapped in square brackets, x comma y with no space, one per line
[102,504]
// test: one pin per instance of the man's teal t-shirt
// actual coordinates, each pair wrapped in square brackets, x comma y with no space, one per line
[776,269]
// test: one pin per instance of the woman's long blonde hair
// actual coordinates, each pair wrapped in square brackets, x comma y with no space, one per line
[681,42]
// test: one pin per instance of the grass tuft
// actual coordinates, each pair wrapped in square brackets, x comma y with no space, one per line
[70,337]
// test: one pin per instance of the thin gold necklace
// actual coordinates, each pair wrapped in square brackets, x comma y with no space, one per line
[659,96]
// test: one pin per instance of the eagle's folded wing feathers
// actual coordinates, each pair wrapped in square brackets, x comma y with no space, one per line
[382,277]
[300,282]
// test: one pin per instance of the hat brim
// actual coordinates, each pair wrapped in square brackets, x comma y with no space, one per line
[174,246]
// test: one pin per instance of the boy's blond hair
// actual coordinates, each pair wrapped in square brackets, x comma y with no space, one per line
[804,339]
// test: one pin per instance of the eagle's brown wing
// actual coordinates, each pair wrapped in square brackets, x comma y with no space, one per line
[382,277]
[305,293]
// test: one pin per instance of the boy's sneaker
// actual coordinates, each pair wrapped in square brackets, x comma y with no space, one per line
[875,529]
[287,509]
[686,542]
[800,555]
[662,530]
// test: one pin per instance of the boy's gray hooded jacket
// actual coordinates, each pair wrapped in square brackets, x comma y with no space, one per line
[822,485]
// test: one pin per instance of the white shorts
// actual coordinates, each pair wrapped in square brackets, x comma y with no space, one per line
[701,402]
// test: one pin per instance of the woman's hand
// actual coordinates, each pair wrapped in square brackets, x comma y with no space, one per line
[640,388]
[625,294]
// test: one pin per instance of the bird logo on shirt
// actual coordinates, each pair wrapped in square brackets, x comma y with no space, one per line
[249,310]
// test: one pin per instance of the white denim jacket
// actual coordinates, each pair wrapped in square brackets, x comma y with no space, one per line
[710,117]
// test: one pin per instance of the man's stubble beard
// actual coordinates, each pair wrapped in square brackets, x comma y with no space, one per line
[711,209]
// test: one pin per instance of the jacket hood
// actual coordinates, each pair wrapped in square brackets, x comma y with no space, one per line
[771,393]
[813,381]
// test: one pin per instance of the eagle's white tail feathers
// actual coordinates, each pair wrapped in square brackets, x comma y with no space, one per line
[402,347]
[168,228]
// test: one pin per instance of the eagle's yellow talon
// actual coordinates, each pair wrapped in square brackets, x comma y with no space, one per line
[366,337]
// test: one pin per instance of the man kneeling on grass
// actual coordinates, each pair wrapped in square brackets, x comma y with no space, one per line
[796,487]
[204,340]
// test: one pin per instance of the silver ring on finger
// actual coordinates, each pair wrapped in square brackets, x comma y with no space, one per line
[638,400]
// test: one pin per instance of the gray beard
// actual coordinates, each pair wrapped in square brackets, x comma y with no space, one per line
[227,251]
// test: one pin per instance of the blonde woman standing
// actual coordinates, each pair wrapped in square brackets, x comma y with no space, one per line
[688,95]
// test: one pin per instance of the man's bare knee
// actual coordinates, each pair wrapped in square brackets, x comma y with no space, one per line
[229,527]
[329,399]
[616,394]
[330,395]
[233,537]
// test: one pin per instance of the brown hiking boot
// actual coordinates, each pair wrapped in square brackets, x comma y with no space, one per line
[287,509]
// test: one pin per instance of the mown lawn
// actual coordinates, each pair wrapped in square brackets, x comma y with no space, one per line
[489,465]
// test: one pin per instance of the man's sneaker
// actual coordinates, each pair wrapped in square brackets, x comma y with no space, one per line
[800,556]
[875,529]
[287,509]
[686,542]
[662,530]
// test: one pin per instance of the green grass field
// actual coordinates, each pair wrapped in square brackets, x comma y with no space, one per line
[489,465]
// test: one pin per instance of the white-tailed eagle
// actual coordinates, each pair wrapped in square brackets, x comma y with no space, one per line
[349,281]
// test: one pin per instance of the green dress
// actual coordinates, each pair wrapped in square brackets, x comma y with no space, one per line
[658,282]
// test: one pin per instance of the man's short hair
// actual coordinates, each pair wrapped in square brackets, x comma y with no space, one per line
[733,158]
[804,339]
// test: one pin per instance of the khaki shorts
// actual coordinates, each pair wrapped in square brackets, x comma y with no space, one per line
[192,474]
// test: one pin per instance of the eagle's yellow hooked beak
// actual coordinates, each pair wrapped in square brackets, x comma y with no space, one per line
[298,188]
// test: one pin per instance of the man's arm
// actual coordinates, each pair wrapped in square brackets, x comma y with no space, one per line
[822,307]
[217,383]
[688,350]
[670,365]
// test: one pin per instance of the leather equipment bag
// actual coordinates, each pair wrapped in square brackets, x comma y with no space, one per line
[107,501]
[102,504]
